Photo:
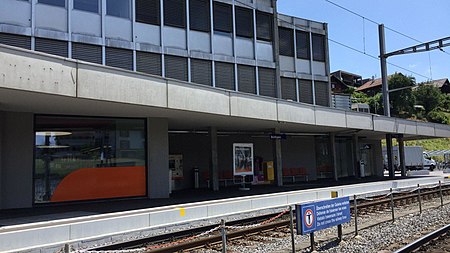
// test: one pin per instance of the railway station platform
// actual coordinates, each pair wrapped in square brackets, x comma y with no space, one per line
[48,227]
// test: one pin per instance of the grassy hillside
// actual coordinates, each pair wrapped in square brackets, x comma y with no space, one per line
[428,144]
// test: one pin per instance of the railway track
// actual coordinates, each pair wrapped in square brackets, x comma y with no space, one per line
[422,243]
[187,240]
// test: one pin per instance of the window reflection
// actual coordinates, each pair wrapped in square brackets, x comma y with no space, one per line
[88,158]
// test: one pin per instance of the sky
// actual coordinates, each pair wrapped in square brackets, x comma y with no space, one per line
[424,20]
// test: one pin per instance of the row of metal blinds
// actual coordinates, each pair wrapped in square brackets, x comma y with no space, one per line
[15,40]
[302,44]
[289,91]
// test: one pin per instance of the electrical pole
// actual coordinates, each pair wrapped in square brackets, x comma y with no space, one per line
[385,89]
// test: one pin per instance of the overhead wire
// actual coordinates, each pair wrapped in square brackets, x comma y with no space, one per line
[377,23]
[346,46]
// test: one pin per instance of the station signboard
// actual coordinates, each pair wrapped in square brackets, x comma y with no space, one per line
[323,214]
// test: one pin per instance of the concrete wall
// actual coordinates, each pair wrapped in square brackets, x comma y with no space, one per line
[16,160]
[157,158]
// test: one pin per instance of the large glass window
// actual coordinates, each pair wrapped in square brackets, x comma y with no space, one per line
[80,158]
[286,41]
[318,42]
[147,11]
[199,15]
[303,51]
[223,17]
[264,26]
[118,8]
[175,13]
[86,5]
[59,3]
[244,22]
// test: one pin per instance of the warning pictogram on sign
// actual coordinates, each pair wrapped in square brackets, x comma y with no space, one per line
[308,218]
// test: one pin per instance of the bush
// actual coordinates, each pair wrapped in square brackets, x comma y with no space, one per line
[438,117]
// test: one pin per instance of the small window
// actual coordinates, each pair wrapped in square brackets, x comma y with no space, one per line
[223,18]
[318,42]
[199,15]
[303,51]
[244,22]
[86,5]
[118,8]
[148,12]
[175,13]
[59,3]
[286,41]
[264,26]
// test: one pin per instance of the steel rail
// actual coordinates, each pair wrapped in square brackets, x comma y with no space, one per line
[424,240]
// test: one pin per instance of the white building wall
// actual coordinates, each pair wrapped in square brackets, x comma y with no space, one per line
[51,17]
[21,15]
[118,28]
[86,23]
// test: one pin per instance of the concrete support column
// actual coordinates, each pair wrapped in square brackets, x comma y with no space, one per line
[401,150]
[157,158]
[389,156]
[17,160]
[333,154]
[277,160]
[356,155]
[2,120]
[214,160]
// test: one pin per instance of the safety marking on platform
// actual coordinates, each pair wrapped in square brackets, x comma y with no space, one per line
[182,212]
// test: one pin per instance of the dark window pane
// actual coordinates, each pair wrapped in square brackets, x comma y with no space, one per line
[201,72]
[264,26]
[86,5]
[225,75]
[175,13]
[60,3]
[318,47]
[118,8]
[199,14]
[288,89]
[86,52]
[119,58]
[54,47]
[15,40]
[247,79]
[286,41]
[223,17]
[244,22]
[303,51]
[322,93]
[79,158]
[148,63]
[176,67]
[267,82]
[148,11]
[305,90]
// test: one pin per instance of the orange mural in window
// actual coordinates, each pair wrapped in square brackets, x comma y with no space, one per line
[101,183]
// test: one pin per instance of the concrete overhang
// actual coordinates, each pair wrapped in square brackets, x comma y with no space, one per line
[45,84]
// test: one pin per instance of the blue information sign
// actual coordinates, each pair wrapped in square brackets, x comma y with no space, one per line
[323,214]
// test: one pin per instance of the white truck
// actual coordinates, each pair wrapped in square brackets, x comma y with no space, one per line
[415,158]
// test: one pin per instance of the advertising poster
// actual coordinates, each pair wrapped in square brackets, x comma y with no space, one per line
[243,159]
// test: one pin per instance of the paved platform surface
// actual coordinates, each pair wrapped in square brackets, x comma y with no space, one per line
[76,209]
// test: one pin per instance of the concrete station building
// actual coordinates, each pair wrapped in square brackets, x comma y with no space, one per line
[96,97]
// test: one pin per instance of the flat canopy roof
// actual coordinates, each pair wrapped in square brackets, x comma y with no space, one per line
[39,83]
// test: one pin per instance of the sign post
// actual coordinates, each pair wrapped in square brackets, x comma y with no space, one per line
[320,215]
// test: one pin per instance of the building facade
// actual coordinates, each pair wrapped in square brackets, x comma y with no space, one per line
[116,99]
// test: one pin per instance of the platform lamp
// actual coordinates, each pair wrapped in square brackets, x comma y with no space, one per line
[50,144]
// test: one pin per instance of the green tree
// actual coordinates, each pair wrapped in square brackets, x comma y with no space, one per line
[402,101]
[375,103]
[428,96]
